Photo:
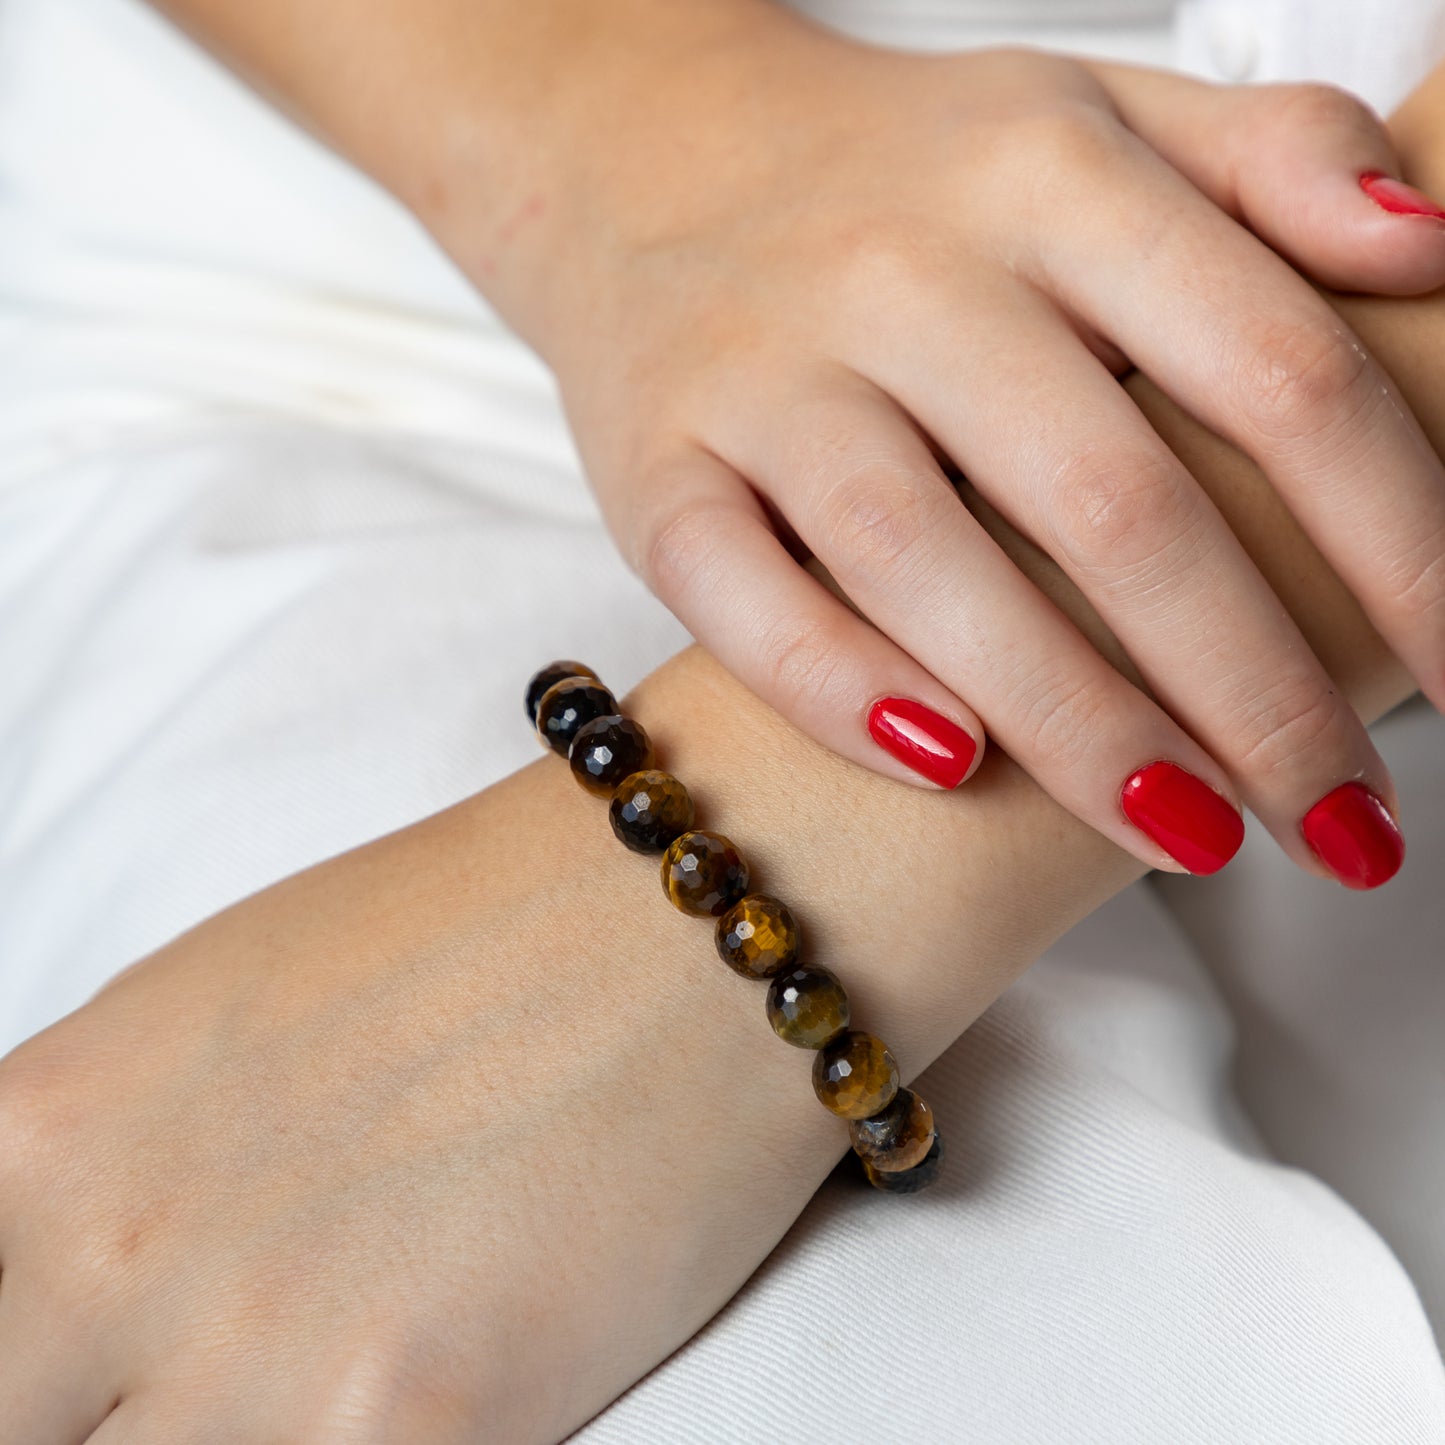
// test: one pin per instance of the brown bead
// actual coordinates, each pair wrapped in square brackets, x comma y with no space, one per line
[703,874]
[549,676]
[757,937]
[649,809]
[807,1006]
[908,1181]
[854,1075]
[566,706]
[897,1137]
[606,750]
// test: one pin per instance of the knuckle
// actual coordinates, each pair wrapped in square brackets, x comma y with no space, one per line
[801,660]
[1415,584]
[1053,718]
[1121,516]
[875,522]
[1315,105]
[361,1406]
[1068,138]
[1305,376]
[391,1379]
[890,256]
[25,1106]
[676,546]
[1286,723]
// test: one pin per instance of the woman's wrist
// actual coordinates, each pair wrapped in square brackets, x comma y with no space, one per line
[625,130]
[513,130]
[887,881]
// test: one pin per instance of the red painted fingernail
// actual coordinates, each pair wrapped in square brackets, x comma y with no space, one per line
[1192,823]
[1397,198]
[922,738]
[1352,833]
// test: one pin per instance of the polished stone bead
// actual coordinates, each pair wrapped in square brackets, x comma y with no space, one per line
[758,937]
[566,706]
[896,1137]
[549,676]
[703,874]
[854,1075]
[649,809]
[908,1181]
[807,1006]
[606,750]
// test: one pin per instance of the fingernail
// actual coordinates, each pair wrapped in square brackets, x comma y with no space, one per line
[1192,823]
[927,742]
[1397,198]
[1352,833]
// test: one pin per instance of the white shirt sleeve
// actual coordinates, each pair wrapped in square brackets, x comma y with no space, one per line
[1379,51]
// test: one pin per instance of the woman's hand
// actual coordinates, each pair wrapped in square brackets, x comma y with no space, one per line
[368,1158]
[781,277]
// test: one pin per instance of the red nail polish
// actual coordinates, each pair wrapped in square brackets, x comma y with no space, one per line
[1352,833]
[923,739]
[1192,823]
[1397,198]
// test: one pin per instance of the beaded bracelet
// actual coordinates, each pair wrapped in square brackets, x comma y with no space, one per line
[703,874]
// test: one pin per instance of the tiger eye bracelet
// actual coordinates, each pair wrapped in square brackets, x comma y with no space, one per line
[703,874]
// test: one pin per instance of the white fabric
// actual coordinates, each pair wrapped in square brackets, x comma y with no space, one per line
[1381,50]
[275,495]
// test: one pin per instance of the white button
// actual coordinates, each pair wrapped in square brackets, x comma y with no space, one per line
[1233,42]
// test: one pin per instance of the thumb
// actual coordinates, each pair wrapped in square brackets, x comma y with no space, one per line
[1310,169]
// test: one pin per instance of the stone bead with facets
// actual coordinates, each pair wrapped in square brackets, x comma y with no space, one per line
[897,1137]
[550,676]
[649,809]
[606,750]
[855,1075]
[807,1006]
[908,1181]
[703,874]
[567,706]
[758,936]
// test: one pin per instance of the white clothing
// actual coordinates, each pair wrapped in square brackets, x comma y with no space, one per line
[273,487]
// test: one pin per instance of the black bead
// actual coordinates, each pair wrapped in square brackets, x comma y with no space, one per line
[606,749]
[566,706]
[549,676]
[649,809]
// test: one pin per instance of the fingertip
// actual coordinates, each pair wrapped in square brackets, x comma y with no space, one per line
[1394,242]
[1348,225]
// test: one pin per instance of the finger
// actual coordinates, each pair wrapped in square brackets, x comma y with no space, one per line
[861,487]
[1101,493]
[1256,355]
[1309,168]
[51,1390]
[710,555]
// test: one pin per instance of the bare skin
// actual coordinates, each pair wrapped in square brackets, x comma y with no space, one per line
[451,1139]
